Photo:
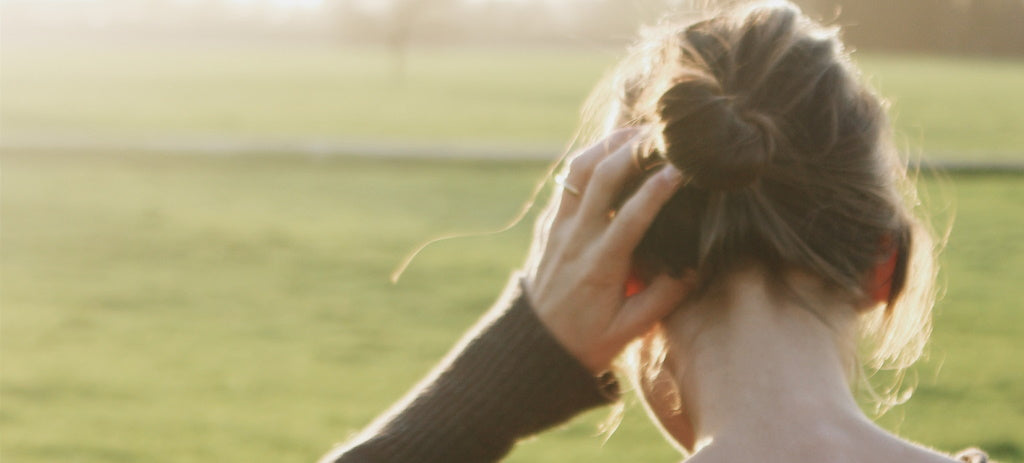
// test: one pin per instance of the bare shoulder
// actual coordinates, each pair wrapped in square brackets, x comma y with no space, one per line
[858,443]
[915,453]
[919,455]
[923,455]
[887,449]
[896,449]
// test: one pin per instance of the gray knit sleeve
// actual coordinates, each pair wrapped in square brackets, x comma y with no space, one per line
[507,379]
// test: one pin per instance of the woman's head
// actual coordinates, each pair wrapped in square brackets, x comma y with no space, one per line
[789,163]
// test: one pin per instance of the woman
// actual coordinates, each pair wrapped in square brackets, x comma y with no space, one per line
[745,224]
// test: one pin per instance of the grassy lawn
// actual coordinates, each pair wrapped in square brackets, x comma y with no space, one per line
[185,308]
[945,107]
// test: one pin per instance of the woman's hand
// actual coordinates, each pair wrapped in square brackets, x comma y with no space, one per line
[583,254]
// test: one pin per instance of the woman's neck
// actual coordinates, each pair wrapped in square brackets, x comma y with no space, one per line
[757,367]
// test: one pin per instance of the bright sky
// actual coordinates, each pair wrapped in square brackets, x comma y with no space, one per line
[278,5]
[303,4]
[289,4]
[316,3]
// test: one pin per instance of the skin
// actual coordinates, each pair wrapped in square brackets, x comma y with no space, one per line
[763,379]
[582,257]
[750,373]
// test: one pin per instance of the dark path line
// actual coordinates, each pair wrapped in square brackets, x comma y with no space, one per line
[217,145]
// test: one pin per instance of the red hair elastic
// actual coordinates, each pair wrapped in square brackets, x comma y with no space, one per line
[634,284]
[881,281]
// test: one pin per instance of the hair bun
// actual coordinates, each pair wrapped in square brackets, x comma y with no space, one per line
[717,145]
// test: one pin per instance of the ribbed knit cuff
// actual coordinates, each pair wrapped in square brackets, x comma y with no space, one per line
[509,378]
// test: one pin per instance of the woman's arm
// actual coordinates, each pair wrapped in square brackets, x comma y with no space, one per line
[508,378]
[534,362]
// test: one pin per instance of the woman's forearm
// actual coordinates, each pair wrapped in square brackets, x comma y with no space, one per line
[507,379]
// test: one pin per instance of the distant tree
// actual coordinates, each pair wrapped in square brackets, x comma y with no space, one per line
[996,27]
[404,17]
[353,23]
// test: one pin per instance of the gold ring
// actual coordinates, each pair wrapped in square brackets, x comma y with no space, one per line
[561,181]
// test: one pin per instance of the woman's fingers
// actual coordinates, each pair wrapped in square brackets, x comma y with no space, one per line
[654,303]
[580,261]
[635,216]
[581,167]
[607,182]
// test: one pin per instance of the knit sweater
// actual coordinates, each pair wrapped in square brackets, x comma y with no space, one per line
[507,379]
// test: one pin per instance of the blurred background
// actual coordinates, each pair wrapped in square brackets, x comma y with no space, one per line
[202,200]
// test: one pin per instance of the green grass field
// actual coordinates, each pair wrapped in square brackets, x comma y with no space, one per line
[188,308]
[944,107]
[185,308]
